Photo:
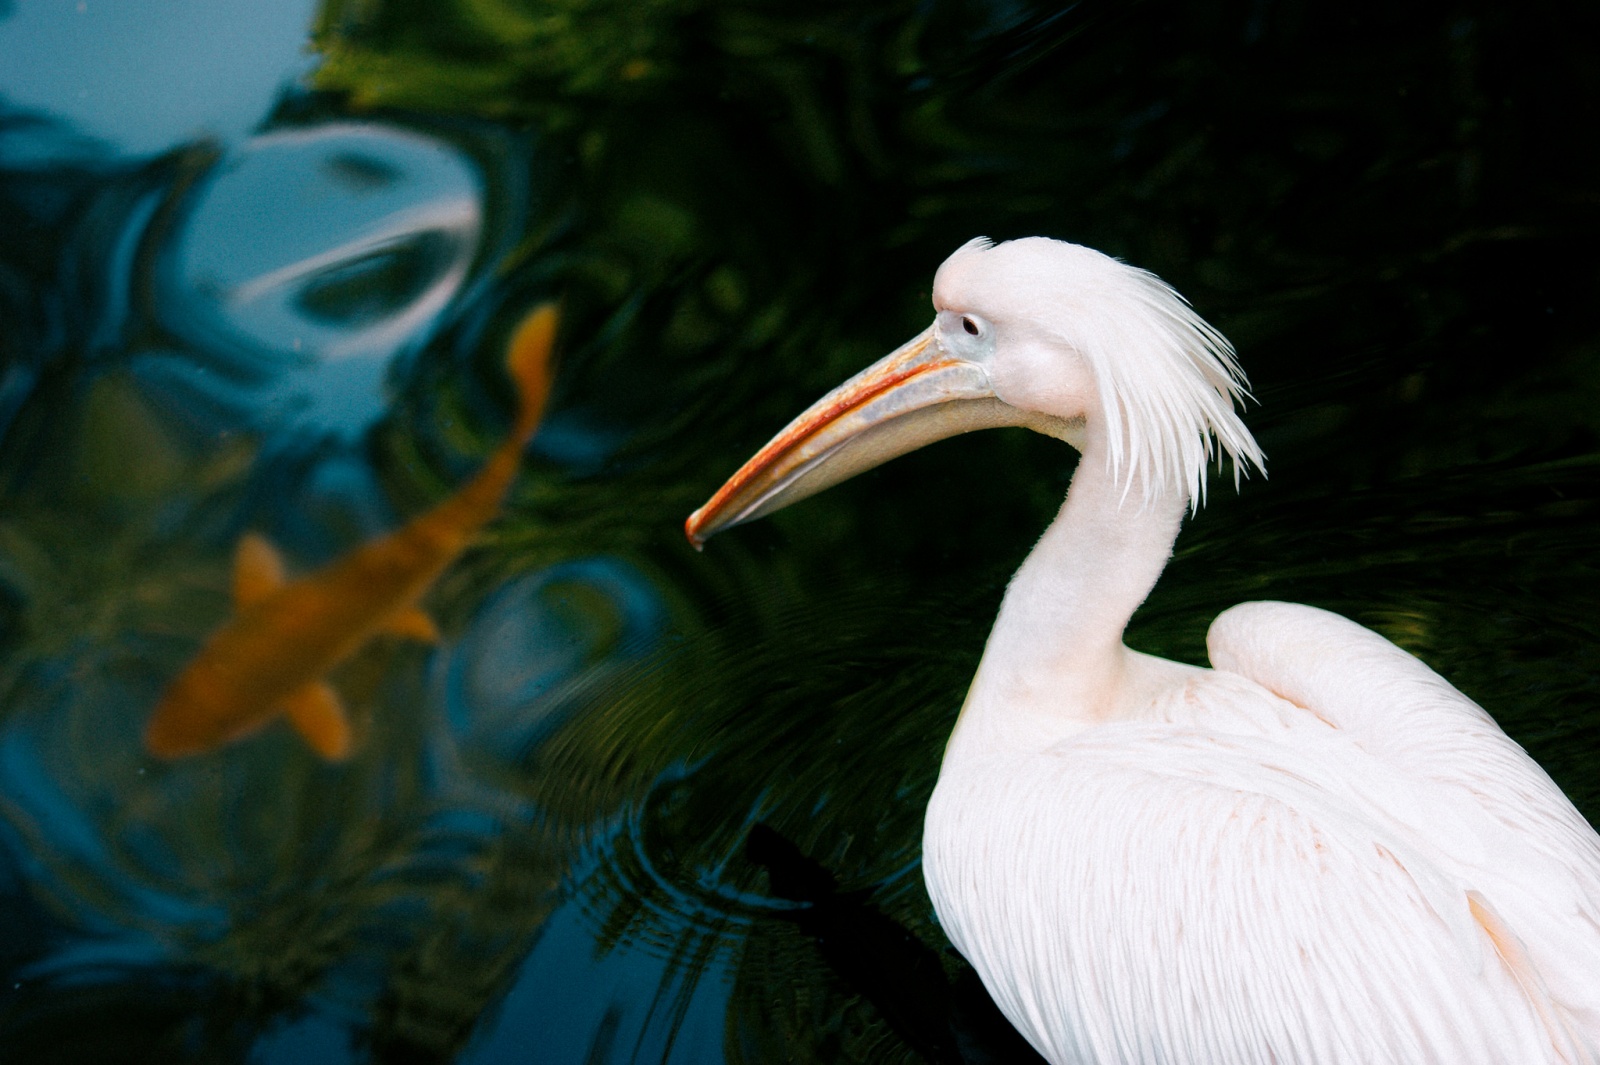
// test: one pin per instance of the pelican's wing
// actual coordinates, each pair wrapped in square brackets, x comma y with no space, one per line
[1148,893]
[1544,859]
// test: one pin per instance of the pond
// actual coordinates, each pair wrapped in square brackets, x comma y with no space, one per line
[260,267]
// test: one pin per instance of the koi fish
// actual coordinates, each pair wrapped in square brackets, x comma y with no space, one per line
[273,656]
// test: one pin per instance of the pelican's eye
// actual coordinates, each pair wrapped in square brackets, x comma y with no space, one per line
[968,336]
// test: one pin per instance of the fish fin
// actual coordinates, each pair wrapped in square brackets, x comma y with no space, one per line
[528,363]
[257,570]
[318,715]
[413,624]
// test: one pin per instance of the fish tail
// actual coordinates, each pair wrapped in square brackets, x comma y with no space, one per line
[528,364]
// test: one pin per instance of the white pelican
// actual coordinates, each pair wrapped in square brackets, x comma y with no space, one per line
[1316,851]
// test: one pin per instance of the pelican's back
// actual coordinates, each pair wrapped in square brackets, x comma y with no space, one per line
[1538,860]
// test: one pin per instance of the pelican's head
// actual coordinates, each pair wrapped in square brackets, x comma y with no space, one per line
[1033,332]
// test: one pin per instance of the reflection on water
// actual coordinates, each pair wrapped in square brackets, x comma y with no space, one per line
[310,257]
[533,648]
[887,965]
[539,847]
[137,78]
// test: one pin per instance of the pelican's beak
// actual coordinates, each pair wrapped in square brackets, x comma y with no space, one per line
[914,396]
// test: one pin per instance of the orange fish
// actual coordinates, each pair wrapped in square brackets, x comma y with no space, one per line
[272,657]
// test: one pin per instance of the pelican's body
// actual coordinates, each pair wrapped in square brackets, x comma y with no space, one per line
[1318,851]
[1270,861]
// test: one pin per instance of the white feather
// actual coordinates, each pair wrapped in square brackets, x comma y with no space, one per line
[1232,878]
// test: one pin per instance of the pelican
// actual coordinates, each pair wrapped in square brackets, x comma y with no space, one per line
[1315,851]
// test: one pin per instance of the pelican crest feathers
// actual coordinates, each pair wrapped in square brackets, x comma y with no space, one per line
[1169,383]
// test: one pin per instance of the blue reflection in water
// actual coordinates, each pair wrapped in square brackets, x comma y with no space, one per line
[141,77]
[506,682]
[573,1004]
[313,1040]
[308,259]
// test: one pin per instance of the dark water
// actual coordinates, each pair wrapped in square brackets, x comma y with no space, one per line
[258,264]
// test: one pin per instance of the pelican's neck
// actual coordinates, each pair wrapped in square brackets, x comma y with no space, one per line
[1055,662]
